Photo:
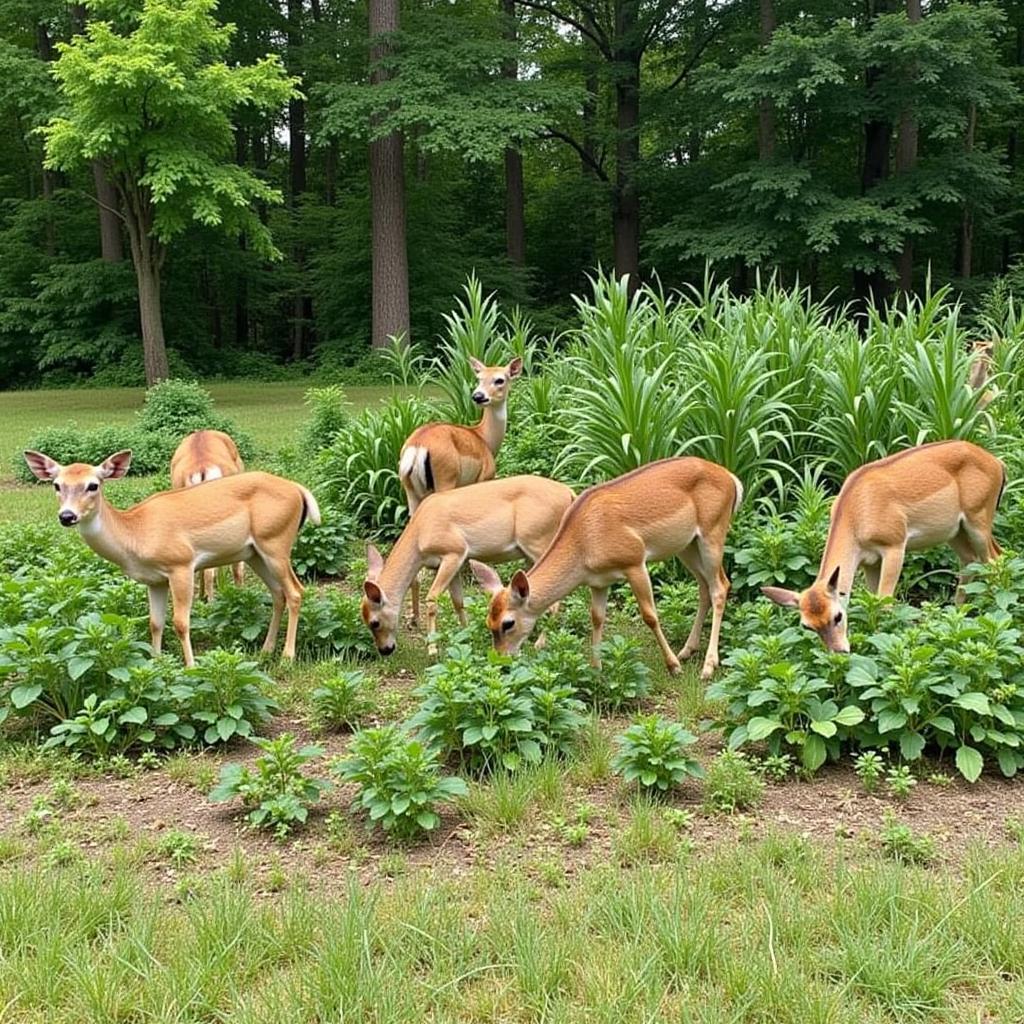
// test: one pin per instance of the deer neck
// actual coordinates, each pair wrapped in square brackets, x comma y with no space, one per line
[557,573]
[107,533]
[492,425]
[841,549]
[401,567]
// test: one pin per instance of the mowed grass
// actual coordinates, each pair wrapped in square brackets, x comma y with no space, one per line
[773,931]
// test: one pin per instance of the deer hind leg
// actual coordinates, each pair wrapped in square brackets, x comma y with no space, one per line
[710,551]
[182,584]
[238,573]
[274,584]
[157,615]
[458,600]
[971,545]
[598,614]
[690,557]
[209,583]
[640,583]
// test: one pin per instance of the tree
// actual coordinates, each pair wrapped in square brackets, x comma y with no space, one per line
[148,95]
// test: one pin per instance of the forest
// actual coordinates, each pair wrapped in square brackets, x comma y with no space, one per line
[261,188]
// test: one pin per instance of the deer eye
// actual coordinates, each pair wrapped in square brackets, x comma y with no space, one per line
[507,625]
[93,487]
[499,380]
[374,623]
[838,618]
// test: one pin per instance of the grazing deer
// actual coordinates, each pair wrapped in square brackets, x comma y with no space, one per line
[162,541]
[981,369]
[940,493]
[443,456]
[206,455]
[497,521]
[679,507]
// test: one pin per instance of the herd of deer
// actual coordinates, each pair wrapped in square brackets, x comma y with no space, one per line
[218,514]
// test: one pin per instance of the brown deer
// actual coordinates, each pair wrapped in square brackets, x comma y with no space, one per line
[680,507]
[207,455]
[945,492]
[496,521]
[982,352]
[443,456]
[162,541]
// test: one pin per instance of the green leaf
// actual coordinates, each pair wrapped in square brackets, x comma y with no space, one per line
[973,702]
[1007,762]
[100,726]
[22,696]
[969,763]
[759,728]
[226,728]
[814,753]
[911,744]
[849,715]
[136,716]
[824,728]
[889,721]
[77,667]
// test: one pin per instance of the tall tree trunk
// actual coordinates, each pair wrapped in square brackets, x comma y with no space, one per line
[626,197]
[766,107]
[302,305]
[390,316]
[111,247]
[967,221]
[906,157]
[589,157]
[515,201]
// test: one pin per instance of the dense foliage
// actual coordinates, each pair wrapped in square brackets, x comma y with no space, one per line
[853,148]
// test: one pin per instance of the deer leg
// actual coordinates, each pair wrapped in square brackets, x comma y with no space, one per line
[209,583]
[889,576]
[447,572]
[458,602]
[969,548]
[182,585]
[274,584]
[238,573]
[598,614]
[873,575]
[690,557]
[640,583]
[293,593]
[157,615]
[719,592]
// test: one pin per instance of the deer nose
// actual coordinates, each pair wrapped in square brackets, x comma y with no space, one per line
[479,397]
[390,649]
[67,518]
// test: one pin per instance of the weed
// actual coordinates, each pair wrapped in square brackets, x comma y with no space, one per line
[776,767]
[653,752]
[648,837]
[65,794]
[679,818]
[342,701]
[900,781]
[901,843]
[38,817]
[731,784]
[1014,828]
[62,853]
[180,848]
[869,767]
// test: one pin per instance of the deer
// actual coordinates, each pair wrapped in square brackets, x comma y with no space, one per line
[982,352]
[496,521]
[443,456]
[679,507]
[163,540]
[207,455]
[945,492]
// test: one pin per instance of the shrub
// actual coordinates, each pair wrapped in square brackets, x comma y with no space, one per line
[276,793]
[331,626]
[653,752]
[327,417]
[342,700]
[731,784]
[399,779]
[323,550]
[623,678]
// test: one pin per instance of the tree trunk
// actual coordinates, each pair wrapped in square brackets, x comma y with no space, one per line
[390,316]
[766,107]
[154,349]
[626,197]
[515,202]
[111,247]
[967,221]
[906,157]
[590,214]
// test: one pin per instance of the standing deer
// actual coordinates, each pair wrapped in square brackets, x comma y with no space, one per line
[945,492]
[207,455]
[443,456]
[982,351]
[496,521]
[162,541]
[680,507]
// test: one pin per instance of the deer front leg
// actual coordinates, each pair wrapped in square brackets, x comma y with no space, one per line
[447,573]
[598,614]
[458,601]
[182,584]
[892,566]
[157,615]
[640,583]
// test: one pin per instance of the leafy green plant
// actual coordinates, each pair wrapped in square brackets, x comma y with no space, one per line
[342,700]
[224,692]
[654,752]
[623,677]
[870,767]
[732,784]
[276,793]
[328,416]
[900,842]
[776,767]
[399,778]
[178,847]
[900,781]
[323,550]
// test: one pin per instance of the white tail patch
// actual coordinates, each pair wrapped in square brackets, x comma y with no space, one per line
[206,473]
[312,508]
[412,469]
[739,492]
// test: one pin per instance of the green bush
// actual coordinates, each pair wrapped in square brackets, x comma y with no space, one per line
[343,700]
[654,753]
[731,784]
[399,778]
[328,417]
[276,794]
[324,550]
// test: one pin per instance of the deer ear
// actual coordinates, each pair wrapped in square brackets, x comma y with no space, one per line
[787,598]
[488,579]
[515,367]
[373,593]
[476,366]
[116,466]
[519,585]
[833,581]
[374,562]
[42,466]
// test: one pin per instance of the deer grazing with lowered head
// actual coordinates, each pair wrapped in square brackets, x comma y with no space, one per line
[207,455]
[945,492]
[162,541]
[495,521]
[681,507]
[443,456]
